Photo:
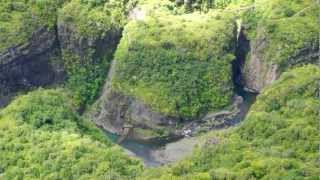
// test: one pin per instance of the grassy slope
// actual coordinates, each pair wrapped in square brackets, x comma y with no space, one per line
[278,139]
[41,137]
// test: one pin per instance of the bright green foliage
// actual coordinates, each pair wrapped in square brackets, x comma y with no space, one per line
[286,27]
[278,139]
[38,154]
[205,5]
[209,5]
[43,109]
[50,110]
[20,18]
[178,64]
[94,18]
[42,138]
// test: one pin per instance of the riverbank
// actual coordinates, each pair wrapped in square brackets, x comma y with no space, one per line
[163,151]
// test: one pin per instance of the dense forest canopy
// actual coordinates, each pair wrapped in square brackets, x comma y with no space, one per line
[169,64]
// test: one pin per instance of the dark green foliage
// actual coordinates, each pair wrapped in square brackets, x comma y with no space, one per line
[41,137]
[274,142]
[94,21]
[20,18]
[85,76]
[180,65]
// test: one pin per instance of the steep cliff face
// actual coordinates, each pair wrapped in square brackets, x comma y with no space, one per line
[32,64]
[280,38]
[71,41]
[157,84]
[259,71]
[29,49]
[86,60]
[89,33]
[170,67]
[118,113]
[42,41]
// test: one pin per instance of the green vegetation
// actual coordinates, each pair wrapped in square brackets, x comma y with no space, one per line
[286,27]
[86,75]
[20,18]
[176,58]
[178,64]
[279,138]
[93,19]
[41,137]
[94,23]
[204,5]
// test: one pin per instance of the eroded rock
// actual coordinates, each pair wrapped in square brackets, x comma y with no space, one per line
[260,72]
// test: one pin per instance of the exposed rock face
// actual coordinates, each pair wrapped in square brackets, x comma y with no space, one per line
[259,72]
[71,41]
[122,111]
[30,65]
[115,112]
[88,55]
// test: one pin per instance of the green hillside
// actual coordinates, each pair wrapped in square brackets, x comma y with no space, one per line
[121,89]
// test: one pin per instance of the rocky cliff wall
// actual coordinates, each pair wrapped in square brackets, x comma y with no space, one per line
[33,64]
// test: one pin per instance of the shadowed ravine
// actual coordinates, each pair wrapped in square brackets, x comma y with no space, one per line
[163,151]
[159,152]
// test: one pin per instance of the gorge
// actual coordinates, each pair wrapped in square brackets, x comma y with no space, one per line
[148,89]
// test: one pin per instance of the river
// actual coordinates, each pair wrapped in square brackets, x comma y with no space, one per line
[159,152]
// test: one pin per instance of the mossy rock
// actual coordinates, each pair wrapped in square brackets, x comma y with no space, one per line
[180,65]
